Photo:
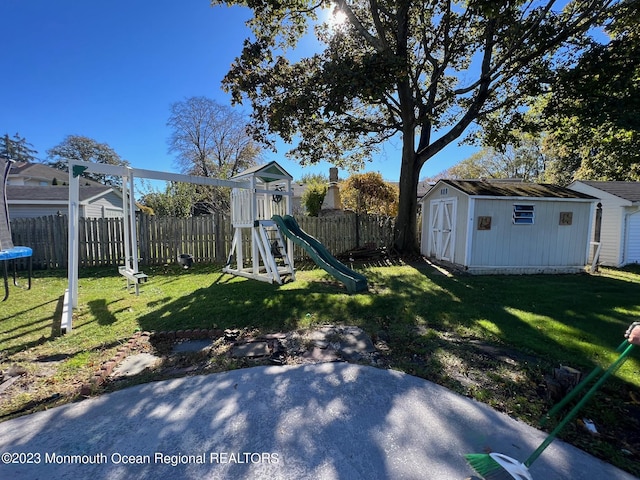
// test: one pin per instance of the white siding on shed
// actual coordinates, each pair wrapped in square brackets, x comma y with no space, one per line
[541,244]
[504,245]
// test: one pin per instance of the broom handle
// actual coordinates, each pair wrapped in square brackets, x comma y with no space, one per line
[614,366]
[583,383]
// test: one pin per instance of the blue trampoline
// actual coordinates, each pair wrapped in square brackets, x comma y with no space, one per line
[9,252]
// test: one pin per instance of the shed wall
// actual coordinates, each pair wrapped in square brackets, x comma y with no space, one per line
[545,243]
[462,208]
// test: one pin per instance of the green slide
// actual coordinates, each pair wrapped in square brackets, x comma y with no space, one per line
[354,281]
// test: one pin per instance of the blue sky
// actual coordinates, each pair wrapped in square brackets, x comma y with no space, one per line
[110,71]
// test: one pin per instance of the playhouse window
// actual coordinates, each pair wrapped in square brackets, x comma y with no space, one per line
[523,214]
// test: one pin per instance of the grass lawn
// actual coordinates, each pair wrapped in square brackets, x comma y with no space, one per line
[493,338]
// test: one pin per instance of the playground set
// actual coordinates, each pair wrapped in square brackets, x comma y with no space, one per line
[261,202]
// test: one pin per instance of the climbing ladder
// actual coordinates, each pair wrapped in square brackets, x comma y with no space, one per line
[271,260]
[273,251]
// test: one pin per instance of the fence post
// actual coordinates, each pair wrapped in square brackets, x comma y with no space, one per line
[143,238]
[218,232]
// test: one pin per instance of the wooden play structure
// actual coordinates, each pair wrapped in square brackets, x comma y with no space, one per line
[252,210]
[257,195]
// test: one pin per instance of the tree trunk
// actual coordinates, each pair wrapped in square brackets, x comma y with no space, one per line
[406,240]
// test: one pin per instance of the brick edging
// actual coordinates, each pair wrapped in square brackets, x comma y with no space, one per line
[135,342]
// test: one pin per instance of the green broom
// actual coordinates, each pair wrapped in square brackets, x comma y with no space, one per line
[496,466]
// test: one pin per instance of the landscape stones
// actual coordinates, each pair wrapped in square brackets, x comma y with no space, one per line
[349,343]
[321,355]
[136,364]
[189,349]
[192,346]
[250,349]
[354,342]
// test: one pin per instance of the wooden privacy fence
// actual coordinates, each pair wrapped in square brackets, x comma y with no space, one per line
[162,239]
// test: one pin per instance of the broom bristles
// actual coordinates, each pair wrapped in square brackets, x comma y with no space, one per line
[487,467]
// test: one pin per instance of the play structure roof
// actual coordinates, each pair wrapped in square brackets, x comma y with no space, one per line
[269,172]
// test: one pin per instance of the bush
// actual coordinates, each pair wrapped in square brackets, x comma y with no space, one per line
[313,197]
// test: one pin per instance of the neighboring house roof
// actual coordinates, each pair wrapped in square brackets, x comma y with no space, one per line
[519,189]
[33,194]
[39,171]
[626,190]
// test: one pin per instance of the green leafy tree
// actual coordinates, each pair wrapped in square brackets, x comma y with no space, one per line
[313,197]
[177,200]
[314,178]
[369,193]
[593,111]
[85,149]
[17,149]
[421,70]
[211,140]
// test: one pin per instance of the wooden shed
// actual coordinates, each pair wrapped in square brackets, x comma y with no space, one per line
[618,229]
[506,227]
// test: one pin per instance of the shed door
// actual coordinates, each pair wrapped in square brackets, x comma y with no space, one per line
[633,239]
[441,233]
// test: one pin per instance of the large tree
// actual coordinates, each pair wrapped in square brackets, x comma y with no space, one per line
[211,140]
[421,70]
[593,110]
[85,149]
[17,148]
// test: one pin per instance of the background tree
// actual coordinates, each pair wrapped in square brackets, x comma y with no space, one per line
[314,178]
[313,196]
[17,149]
[175,201]
[85,149]
[423,70]
[210,140]
[593,111]
[369,193]
[524,160]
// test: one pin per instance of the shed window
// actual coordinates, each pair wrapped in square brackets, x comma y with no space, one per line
[523,214]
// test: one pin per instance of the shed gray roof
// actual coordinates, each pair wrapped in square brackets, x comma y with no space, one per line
[515,189]
[52,194]
[626,190]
